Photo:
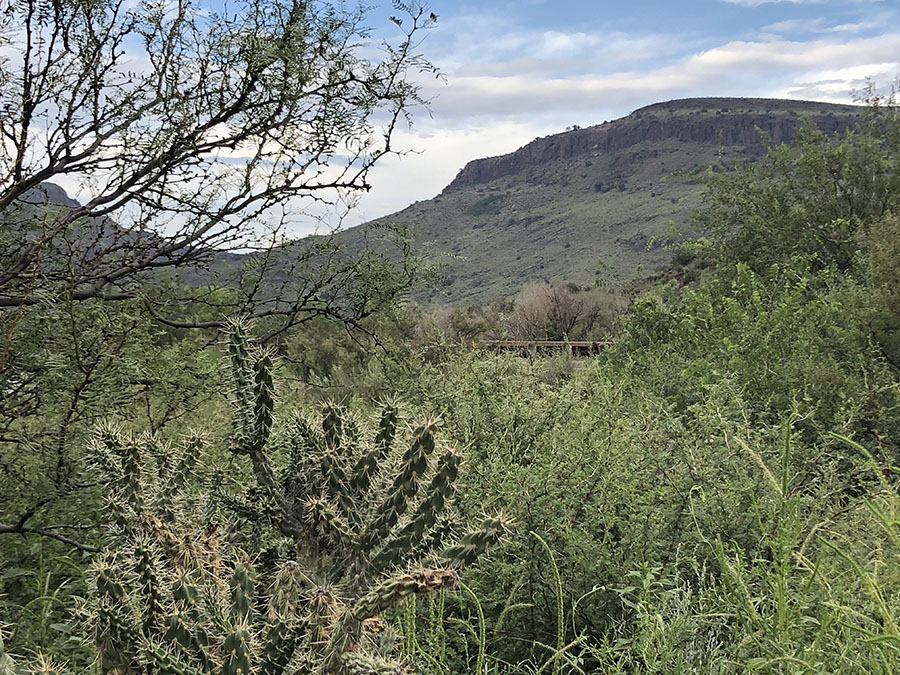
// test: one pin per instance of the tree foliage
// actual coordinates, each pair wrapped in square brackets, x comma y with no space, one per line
[192,131]
[817,195]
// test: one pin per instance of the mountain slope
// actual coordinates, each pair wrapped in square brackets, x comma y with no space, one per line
[583,204]
[571,207]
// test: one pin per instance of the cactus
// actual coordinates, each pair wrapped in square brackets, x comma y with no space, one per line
[368,463]
[334,523]
[476,542]
[40,665]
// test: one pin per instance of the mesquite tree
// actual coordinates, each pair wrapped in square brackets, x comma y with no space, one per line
[189,127]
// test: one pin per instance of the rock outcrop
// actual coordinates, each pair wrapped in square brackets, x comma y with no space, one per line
[722,121]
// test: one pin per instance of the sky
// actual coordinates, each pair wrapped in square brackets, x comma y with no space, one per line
[516,70]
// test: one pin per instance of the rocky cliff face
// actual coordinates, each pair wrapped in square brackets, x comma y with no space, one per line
[719,121]
[48,193]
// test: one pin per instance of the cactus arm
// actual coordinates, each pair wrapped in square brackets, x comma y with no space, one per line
[285,627]
[396,588]
[256,435]
[476,542]
[336,483]
[339,436]
[255,405]
[115,640]
[356,663]
[414,465]
[349,626]
[440,490]
[300,478]
[185,626]
[263,401]
[115,635]
[328,522]
[132,472]
[252,436]
[281,641]
[189,641]
[263,415]
[148,579]
[241,593]
[367,464]
[179,477]
[105,448]
[166,663]
[332,425]
[237,651]
[242,372]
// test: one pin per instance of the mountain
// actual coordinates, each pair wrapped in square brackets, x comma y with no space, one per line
[578,206]
[585,204]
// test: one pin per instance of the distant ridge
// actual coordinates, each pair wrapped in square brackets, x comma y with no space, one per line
[583,206]
[586,205]
[727,121]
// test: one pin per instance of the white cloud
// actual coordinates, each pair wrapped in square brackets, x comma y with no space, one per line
[442,153]
[851,27]
[757,3]
[832,85]
[737,68]
[800,26]
[483,43]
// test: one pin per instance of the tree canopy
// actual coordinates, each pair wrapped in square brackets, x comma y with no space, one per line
[192,131]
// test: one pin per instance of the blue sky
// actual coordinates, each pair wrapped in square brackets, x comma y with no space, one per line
[517,70]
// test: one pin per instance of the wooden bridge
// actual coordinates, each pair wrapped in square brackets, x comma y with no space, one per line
[577,348]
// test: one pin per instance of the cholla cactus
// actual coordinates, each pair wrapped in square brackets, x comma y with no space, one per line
[289,574]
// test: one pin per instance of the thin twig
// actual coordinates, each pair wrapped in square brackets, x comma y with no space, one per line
[25,529]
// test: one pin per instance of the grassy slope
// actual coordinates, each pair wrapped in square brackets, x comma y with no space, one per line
[554,225]
[552,221]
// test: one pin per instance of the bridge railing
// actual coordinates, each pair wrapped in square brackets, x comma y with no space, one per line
[579,348]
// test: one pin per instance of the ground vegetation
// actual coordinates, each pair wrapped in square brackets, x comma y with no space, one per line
[715,492]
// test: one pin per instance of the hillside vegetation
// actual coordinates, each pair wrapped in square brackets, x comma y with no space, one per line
[588,203]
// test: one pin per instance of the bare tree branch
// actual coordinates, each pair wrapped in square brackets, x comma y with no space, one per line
[44,532]
[237,116]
